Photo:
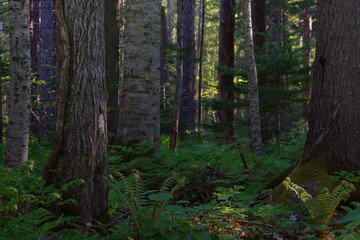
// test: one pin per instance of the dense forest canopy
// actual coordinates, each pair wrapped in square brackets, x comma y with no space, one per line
[179,119]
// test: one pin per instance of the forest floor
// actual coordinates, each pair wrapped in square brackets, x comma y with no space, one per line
[203,191]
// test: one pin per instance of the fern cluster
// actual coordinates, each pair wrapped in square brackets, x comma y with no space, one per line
[322,207]
[146,206]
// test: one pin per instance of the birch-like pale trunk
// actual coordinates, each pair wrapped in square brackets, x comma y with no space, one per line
[174,134]
[253,96]
[19,104]
[139,115]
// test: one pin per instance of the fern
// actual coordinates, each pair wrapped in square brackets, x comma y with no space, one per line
[322,207]
[146,207]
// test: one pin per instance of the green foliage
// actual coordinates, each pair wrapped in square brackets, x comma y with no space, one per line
[353,176]
[323,206]
[147,207]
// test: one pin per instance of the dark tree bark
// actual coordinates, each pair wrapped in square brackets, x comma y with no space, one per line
[276,35]
[259,23]
[306,41]
[46,68]
[201,55]
[164,73]
[226,62]
[174,134]
[334,125]
[112,29]
[80,142]
[18,131]
[188,104]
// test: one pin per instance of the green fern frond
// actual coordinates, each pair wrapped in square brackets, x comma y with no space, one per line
[171,185]
[322,207]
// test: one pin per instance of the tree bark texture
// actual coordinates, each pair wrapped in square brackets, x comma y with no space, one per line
[139,117]
[80,142]
[201,56]
[34,16]
[112,29]
[306,40]
[259,23]
[226,63]
[19,102]
[174,134]
[334,126]
[46,67]
[188,104]
[164,73]
[253,95]
[259,29]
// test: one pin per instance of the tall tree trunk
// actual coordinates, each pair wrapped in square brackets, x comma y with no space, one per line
[139,117]
[169,18]
[46,67]
[253,96]
[80,142]
[112,29]
[334,112]
[275,30]
[259,29]
[306,40]
[188,104]
[174,134]
[201,56]
[19,103]
[34,17]
[164,73]
[226,61]
[259,24]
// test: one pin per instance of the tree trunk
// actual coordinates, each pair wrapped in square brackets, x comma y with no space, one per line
[139,117]
[80,142]
[112,29]
[253,96]
[46,67]
[34,16]
[174,134]
[19,103]
[188,104]
[276,36]
[259,29]
[201,56]
[164,73]
[259,24]
[226,63]
[169,18]
[334,112]
[306,40]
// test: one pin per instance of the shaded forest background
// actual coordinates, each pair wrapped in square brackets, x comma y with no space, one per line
[187,119]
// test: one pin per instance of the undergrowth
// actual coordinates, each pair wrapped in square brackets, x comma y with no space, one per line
[202,191]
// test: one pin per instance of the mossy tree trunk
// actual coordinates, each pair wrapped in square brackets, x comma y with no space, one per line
[80,142]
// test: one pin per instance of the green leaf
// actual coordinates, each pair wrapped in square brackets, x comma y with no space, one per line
[160,196]
[351,216]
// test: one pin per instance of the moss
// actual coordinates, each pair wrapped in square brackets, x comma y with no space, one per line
[313,176]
